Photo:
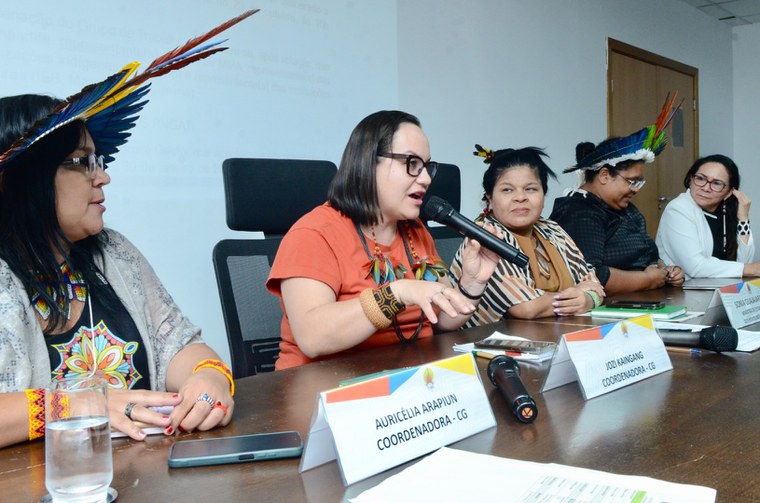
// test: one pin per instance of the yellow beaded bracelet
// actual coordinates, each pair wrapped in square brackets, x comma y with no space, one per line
[35,399]
[221,367]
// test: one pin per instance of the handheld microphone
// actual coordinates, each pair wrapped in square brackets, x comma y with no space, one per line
[504,373]
[716,339]
[442,212]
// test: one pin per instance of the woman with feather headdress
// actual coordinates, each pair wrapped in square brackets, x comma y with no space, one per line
[77,299]
[602,220]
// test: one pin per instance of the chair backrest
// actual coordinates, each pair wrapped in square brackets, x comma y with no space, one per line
[269,195]
[447,185]
[264,195]
[447,242]
[251,314]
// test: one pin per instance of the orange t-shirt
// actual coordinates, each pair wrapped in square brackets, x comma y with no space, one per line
[324,245]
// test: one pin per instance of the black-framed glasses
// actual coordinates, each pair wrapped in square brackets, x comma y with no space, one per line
[414,163]
[633,184]
[701,180]
[91,163]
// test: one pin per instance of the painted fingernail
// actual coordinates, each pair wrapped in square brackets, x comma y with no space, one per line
[555,304]
[141,434]
[175,395]
[556,311]
[181,429]
[168,430]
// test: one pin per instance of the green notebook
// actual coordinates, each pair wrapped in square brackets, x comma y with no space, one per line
[664,313]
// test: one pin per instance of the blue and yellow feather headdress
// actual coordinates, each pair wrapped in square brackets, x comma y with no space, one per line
[643,145]
[110,107]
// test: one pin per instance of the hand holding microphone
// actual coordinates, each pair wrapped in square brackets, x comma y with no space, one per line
[442,212]
[504,373]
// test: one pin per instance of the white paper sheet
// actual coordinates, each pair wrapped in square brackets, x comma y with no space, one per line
[454,475]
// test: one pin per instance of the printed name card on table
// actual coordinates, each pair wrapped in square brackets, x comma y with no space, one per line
[386,421]
[606,358]
[739,304]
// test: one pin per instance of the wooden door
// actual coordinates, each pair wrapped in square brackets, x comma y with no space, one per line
[638,82]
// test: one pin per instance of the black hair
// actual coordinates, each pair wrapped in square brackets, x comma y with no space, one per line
[30,235]
[731,204]
[583,149]
[502,160]
[353,190]
[733,170]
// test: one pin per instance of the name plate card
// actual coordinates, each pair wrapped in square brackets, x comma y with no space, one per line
[739,302]
[383,422]
[606,358]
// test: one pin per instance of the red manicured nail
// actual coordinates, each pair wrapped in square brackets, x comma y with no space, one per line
[168,430]
[181,429]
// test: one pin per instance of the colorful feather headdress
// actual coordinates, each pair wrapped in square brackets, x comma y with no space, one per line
[110,107]
[642,145]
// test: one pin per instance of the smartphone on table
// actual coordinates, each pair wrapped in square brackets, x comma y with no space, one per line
[536,347]
[637,304]
[238,449]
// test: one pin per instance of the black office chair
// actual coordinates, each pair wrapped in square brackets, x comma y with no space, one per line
[448,186]
[263,195]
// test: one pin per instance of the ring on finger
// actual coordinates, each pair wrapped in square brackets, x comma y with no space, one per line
[128,410]
[220,405]
[206,398]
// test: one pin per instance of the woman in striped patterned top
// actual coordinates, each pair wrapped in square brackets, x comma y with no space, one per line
[557,280]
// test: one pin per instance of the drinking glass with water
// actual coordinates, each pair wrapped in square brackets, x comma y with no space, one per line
[78,461]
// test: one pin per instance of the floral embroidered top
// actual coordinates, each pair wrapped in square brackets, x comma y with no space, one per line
[112,348]
[162,328]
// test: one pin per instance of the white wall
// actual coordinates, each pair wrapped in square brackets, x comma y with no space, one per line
[301,73]
[746,106]
[518,73]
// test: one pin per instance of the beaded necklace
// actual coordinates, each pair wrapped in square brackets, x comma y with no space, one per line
[383,271]
[73,287]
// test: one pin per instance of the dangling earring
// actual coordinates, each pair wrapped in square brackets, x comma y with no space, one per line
[724,228]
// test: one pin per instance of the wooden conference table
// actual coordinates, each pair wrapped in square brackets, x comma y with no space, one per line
[697,424]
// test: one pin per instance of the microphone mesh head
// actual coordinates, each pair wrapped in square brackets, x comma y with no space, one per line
[434,207]
[719,339]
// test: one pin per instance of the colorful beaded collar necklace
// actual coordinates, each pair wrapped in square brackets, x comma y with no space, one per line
[382,270]
[73,287]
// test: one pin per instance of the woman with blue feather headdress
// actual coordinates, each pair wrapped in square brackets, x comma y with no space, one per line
[78,299]
[602,220]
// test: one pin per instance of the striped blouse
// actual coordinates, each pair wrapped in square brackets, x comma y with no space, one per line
[511,285]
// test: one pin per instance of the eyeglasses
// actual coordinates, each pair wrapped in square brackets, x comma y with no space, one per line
[701,180]
[633,184]
[414,163]
[91,163]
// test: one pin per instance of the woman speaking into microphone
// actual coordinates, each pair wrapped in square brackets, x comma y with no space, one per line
[361,270]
